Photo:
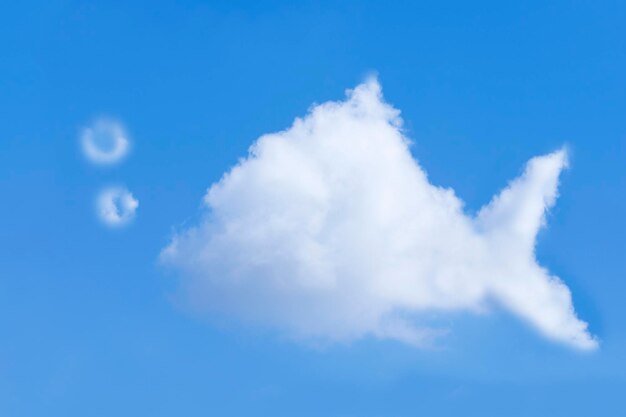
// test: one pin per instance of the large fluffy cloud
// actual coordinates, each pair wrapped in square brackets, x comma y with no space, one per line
[331,230]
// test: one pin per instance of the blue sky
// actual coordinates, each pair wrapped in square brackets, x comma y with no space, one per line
[89,319]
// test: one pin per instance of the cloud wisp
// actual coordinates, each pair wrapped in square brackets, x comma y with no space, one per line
[105,142]
[116,206]
[330,230]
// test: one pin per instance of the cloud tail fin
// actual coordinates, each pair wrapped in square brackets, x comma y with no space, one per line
[518,212]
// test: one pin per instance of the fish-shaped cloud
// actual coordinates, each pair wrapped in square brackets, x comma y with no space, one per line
[331,230]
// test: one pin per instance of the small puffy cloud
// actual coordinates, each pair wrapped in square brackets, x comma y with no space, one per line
[105,142]
[116,206]
[330,230]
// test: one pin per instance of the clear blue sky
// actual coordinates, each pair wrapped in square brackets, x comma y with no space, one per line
[87,323]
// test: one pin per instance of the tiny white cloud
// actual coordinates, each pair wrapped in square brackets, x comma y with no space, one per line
[116,206]
[331,230]
[105,142]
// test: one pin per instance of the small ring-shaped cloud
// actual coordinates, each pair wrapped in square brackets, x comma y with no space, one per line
[116,206]
[105,142]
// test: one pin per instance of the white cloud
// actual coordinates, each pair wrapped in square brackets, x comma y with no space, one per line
[330,230]
[116,206]
[105,142]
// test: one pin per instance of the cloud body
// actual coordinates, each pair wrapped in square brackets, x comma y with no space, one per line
[330,230]
[116,206]
[105,142]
